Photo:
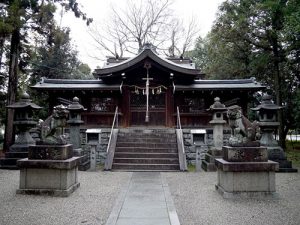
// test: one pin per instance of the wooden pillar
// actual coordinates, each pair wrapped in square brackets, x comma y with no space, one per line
[169,108]
[125,105]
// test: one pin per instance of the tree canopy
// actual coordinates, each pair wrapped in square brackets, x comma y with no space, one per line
[257,38]
[151,21]
[21,20]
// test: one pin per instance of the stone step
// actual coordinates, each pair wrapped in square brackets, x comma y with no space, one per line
[208,167]
[146,145]
[9,163]
[9,167]
[146,140]
[146,150]
[154,135]
[145,155]
[146,160]
[20,155]
[136,166]
[144,130]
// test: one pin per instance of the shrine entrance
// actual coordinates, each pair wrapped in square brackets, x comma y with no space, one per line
[156,106]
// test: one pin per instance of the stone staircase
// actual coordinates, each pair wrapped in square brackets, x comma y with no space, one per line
[10,160]
[146,150]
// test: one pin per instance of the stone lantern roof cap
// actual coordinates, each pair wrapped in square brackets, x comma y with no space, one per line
[267,104]
[75,105]
[217,106]
[24,102]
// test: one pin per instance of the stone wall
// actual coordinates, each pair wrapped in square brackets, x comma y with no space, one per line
[191,148]
[100,147]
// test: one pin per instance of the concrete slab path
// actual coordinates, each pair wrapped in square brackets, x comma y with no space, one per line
[145,200]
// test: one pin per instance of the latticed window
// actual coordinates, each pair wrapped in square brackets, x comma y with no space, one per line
[103,104]
[191,104]
[155,100]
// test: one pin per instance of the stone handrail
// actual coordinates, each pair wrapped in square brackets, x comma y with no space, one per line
[112,142]
[180,144]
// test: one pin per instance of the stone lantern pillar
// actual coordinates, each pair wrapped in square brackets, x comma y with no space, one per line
[74,122]
[23,122]
[75,109]
[217,109]
[268,123]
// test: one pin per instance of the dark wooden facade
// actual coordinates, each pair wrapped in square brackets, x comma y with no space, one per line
[173,84]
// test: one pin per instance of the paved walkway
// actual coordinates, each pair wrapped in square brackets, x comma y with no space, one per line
[145,200]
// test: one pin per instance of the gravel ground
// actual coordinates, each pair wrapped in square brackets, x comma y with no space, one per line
[194,195]
[197,202]
[90,204]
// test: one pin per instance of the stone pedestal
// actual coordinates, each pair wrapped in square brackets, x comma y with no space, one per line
[246,172]
[50,170]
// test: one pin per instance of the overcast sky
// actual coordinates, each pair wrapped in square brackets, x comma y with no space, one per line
[203,10]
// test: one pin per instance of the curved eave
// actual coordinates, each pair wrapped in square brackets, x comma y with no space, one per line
[242,84]
[143,55]
[79,85]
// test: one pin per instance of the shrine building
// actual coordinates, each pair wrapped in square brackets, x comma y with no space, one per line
[153,98]
[148,89]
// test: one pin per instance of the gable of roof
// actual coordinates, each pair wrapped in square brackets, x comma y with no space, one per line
[176,68]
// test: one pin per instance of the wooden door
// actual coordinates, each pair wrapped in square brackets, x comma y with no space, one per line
[157,109]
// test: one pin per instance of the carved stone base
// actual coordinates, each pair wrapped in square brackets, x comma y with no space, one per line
[50,152]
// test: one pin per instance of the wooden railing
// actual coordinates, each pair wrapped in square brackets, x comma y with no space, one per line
[180,144]
[110,151]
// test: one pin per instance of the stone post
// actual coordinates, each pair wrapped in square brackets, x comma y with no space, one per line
[218,110]
[268,123]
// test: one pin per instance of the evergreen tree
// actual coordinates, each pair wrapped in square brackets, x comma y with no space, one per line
[259,38]
[22,17]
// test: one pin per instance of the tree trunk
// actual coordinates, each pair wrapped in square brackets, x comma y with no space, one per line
[1,50]
[12,88]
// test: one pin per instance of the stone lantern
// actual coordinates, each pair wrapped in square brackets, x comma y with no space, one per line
[268,123]
[75,121]
[24,122]
[75,110]
[217,109]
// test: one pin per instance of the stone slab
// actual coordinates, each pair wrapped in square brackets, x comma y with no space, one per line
[49,164]
[247,181]
[245,154]
[245,194]
[50,152]
[146,200]
[62,179]
[50,192]
[246,166]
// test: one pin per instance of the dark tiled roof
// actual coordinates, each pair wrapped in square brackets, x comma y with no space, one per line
[188,69]
[240,84]
[68,84]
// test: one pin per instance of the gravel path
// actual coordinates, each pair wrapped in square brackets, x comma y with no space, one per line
[90,204]
[197,202]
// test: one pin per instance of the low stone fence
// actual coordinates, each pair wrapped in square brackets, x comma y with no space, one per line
[193,145]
